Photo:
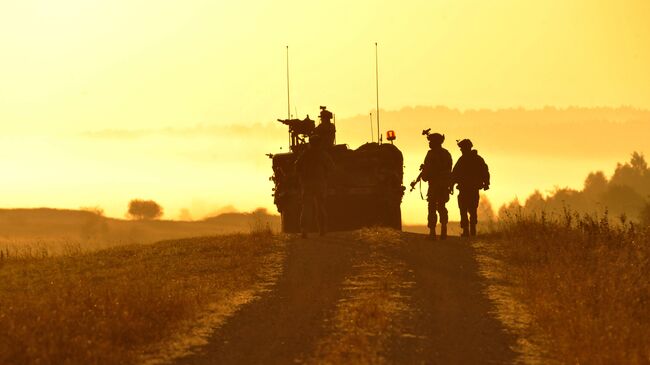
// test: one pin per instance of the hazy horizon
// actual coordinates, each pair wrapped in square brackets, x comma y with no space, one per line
[183,168]
[104,102]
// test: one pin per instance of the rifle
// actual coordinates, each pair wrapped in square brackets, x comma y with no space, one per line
[426,133]
[417,179]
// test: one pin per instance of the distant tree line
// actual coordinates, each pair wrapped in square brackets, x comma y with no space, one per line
[625,195]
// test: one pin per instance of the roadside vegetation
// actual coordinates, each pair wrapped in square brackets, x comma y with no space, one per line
[626,193]
[584,280]
[105,307]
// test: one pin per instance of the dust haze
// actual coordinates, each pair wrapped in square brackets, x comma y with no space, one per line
[527,150]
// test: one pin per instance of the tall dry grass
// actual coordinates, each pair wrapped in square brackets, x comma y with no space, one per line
[586,281]
[104,307]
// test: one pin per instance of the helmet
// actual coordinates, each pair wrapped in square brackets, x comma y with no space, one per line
[325,115]
[436,138]
[465,143]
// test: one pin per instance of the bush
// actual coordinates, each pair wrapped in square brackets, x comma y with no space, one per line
[144,209]
[645,215]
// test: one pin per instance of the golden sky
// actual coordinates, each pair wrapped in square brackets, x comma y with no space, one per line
[73,67]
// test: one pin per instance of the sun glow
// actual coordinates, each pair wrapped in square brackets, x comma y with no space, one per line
[73,68]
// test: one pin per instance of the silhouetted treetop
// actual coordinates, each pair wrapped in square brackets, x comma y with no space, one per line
[627,192]
[144,209]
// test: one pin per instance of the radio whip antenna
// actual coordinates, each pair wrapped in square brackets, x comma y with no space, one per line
[377,87]
[288,98]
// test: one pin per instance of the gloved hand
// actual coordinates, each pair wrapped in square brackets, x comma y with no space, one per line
[486,186]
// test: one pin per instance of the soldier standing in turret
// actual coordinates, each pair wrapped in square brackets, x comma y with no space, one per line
[471,173]
[313,167]
[326,130]
[436,170]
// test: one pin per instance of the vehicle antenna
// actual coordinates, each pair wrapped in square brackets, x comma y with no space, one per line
[288,96]
[334,121]
[377,85]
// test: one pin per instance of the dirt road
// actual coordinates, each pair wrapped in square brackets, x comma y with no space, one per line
[361,297]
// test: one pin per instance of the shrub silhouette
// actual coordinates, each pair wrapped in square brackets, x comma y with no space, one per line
[485,209]
[144,209]
[645,215]
[625,193]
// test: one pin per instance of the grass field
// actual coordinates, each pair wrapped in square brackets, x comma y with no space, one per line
[46,232]
[584,281]
[110,305]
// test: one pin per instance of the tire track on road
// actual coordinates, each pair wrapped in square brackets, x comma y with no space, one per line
[373,296]
[375,304]
[453,321]
[286,323]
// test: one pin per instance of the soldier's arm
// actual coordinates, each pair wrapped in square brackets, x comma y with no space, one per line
[448,168]
[454,172]
[426,167]
[448,162]
[460,171]
[486,175]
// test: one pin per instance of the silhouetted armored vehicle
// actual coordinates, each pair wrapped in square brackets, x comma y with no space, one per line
[364,189]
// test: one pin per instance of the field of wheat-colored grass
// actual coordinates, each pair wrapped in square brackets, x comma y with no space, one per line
[50,232]
[107,306]
[585,281]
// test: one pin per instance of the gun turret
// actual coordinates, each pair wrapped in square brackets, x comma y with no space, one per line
[299,129]
[297,126]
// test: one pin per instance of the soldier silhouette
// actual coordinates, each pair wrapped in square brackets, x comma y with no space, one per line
[436,170]
[313,167]
[326,130]
[471,173]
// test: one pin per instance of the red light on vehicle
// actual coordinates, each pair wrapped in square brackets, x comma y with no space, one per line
[390,135]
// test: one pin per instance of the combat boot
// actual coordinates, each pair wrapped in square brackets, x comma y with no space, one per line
[465,232]
[443,231]
[432,233]
[472,230]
